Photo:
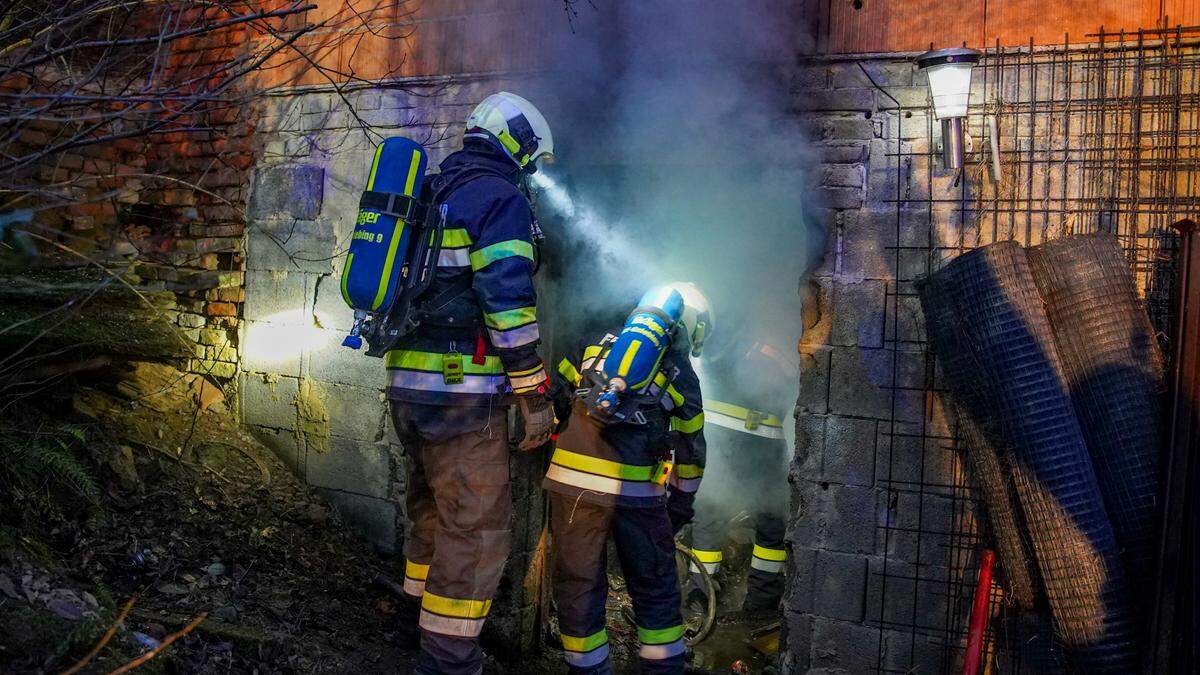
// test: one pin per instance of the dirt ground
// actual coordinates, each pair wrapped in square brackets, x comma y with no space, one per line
[222,529]
[229,563]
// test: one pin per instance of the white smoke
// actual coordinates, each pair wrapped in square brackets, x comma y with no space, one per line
[588,224]
[680,157]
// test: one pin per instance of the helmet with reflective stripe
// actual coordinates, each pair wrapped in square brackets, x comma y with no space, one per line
[697,318]
[515,125]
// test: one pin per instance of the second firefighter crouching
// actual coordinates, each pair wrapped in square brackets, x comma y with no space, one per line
[616,479]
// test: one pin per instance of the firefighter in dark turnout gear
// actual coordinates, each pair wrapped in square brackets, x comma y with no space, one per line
[614,479]
[748,390]
[452,380]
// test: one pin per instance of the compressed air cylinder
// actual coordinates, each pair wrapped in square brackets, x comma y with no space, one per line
[382,239]
[635,356]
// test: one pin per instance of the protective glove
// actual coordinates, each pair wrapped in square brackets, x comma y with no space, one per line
[538,416]
[679,509]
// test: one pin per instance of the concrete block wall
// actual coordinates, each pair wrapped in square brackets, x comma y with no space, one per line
[863,425]
[884,537]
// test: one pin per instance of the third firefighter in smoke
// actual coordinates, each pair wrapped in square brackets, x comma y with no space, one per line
[745,382]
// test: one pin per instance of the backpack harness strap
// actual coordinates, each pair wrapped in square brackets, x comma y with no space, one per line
[390,203]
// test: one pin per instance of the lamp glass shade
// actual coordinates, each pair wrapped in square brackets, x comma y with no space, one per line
[950,85]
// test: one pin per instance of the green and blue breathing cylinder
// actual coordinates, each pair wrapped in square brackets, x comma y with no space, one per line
[638,351]
[382,242]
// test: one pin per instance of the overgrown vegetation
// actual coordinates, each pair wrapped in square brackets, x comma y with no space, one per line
[102,499]
[45,474]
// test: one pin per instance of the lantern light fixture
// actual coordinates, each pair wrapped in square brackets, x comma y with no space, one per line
[949,75]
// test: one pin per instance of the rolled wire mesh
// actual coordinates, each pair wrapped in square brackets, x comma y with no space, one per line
[984,461]
[1003,511]
[1114,371]
[1020,389]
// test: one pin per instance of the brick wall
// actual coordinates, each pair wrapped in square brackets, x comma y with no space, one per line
[167,206]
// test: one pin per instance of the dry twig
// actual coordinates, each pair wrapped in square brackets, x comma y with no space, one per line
[112,630]
[163,645]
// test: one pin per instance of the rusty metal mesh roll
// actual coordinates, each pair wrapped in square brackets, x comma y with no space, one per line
[985,463]
[988,465]
[1114,371]
[1016,383]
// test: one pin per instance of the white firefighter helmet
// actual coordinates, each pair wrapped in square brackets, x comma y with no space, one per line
[697,320]
[516,125]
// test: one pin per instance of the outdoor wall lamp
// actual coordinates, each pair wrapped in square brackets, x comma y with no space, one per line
[949,73]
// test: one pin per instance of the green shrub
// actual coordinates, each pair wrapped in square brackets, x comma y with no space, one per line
[44,473]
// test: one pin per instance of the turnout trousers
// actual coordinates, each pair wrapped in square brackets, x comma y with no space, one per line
[459,535]
[745,473]
[645,546]
[764,582]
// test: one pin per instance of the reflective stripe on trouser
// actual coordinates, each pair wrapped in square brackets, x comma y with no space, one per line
[415,575]
[458,497]
[768,559]
[660,644]
[587,651]
[764,582]
[457,617]
[710,559]
[646,548]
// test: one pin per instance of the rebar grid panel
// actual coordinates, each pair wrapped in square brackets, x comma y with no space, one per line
[1103,137]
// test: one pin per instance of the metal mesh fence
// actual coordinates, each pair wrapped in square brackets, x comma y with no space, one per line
[1097,138]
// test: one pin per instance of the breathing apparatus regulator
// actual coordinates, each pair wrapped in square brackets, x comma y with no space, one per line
[628,373]
[393,254]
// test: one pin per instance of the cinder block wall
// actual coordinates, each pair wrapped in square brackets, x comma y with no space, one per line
[885,529]
[865,417]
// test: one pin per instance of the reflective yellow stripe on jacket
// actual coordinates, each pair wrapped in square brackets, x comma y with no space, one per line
[602,475]
[569,372]
[431,362]
[688,426]
[742,419]
[422,371]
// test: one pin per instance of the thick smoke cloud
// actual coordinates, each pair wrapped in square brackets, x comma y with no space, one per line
[681,159]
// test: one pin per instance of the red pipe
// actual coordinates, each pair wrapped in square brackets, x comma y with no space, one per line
[979,614]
